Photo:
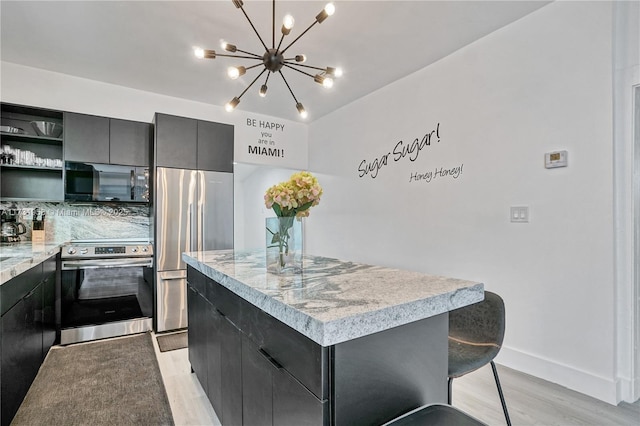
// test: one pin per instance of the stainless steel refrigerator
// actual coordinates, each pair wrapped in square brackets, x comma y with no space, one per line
[193,211]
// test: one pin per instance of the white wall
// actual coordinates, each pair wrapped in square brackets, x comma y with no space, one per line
[541,84]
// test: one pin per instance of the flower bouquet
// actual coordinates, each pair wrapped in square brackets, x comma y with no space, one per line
[291,201]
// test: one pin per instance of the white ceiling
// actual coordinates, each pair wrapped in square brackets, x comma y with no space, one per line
[148,45]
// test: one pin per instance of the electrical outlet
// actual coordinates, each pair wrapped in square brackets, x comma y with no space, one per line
[520,214]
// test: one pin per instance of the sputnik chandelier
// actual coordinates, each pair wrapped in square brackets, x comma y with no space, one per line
[274,60]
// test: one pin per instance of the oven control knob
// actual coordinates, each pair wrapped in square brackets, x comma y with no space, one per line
[84,251]
[134,250]
[145,249]
[71,250]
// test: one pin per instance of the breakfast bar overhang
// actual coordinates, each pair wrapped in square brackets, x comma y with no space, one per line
[340,343]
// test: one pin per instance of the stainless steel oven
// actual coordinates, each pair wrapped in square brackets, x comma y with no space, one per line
[106,290]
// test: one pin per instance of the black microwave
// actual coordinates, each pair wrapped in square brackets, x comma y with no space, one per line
[93,182]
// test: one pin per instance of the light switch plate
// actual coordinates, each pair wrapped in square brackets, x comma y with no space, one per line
[556,159]
[520,214]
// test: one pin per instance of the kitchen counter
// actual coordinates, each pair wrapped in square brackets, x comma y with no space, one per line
[341,343]
[334,301]
[17,258]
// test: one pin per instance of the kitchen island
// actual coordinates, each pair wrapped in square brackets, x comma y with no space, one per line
[340,343]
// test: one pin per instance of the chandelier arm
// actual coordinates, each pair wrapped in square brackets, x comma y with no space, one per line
[273,38]
[306,66]
[249,53]
[251,84]
[254,28]
[240,56]
[267,80]
[288,87]
[253,66]
[280,44]
[300,71]
[298,38]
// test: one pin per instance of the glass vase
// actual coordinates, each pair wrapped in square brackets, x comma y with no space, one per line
[284,245]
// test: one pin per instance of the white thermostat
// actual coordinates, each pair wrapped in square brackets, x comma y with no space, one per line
[555,159]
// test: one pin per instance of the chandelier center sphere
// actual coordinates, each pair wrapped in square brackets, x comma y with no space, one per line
[273,60]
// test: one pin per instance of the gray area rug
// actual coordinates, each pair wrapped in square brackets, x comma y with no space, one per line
[170,342]
[108,382]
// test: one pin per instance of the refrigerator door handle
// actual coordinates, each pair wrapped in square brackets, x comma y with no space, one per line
[202,234]
[199,241]
[193,228]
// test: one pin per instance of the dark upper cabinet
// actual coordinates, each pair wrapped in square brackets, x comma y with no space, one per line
[86,138]
[129,142]
[94,139]
[176,140]
[215,146]
[186,143]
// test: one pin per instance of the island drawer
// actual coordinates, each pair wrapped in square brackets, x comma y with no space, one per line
[306,360]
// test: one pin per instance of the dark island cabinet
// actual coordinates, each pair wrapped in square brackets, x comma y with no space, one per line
[187,143]
[231,349]
[86,138]
[217,366]
[27,329]
[104,140]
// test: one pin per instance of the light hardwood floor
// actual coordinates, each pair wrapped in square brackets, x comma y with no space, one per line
[531,401]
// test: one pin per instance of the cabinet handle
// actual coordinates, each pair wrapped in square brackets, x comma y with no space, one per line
[31,292]
[269,358]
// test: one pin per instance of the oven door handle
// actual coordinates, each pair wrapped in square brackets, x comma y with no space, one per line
[104,263]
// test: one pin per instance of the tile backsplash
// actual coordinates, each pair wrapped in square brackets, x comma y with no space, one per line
[66,221]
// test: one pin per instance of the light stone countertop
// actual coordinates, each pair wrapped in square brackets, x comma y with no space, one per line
[17,258]
[333,301]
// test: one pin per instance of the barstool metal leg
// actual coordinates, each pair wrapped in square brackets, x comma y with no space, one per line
[504,404]
[449,393]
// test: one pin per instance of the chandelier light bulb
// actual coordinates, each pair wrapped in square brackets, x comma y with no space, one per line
[263,90]
[235,72]
[232,104]
[301,58]
[228,46]
[326,82]
[301,110]
[334,72]
[199,52]
[288,22]
[330,9]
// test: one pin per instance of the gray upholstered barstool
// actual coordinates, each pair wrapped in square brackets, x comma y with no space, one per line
[475,338]
[435,414]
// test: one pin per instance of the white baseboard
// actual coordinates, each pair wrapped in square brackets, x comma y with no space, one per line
[580,381]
